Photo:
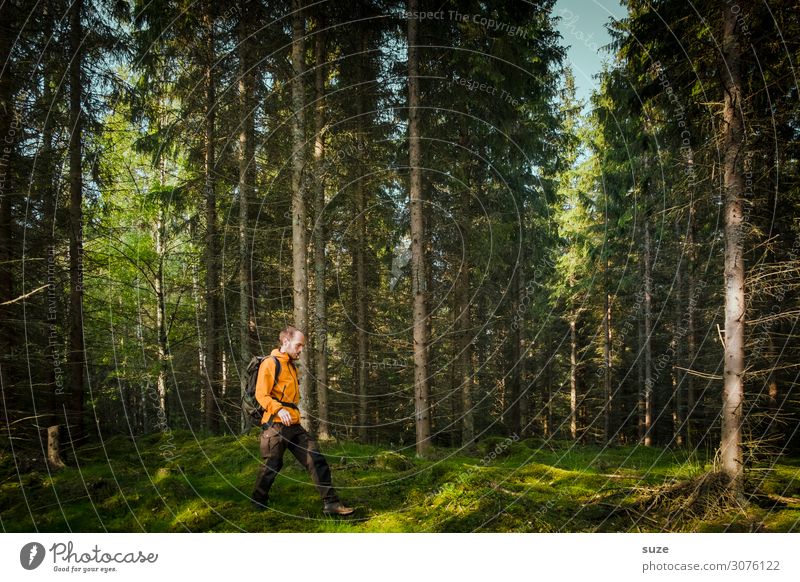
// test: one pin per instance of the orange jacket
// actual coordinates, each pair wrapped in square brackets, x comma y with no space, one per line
[286,388]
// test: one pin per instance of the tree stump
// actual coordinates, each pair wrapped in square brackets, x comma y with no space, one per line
[53,448]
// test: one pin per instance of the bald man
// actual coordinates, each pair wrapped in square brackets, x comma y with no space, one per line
[281,428]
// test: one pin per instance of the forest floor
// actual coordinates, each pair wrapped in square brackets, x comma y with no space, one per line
[203,485]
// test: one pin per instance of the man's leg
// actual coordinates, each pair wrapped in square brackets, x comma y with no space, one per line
[273,446]
[304,448]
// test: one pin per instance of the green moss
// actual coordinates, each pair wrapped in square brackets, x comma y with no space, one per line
[204,484]
[783,521]
[391,461]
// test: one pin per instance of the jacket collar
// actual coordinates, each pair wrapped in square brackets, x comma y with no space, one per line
[283,357]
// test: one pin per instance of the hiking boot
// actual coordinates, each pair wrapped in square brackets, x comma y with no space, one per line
[336,508]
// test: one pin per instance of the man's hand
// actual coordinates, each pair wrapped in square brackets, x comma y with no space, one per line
[285,417]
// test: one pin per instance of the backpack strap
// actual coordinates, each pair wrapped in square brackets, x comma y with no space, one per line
[277,371]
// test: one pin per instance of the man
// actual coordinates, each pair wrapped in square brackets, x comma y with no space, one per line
[281,428]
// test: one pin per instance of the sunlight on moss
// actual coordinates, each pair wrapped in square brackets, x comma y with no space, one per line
[784,521]
[197,516]
[207,486]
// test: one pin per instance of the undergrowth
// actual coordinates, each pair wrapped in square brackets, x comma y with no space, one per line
[202,484]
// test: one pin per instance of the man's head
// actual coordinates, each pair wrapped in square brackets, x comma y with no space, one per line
[292,342]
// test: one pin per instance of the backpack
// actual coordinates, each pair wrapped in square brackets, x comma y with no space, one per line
[251,408]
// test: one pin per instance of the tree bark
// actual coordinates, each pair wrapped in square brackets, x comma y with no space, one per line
[640,399]
[8,337]
[678,376]
[418,259]
[464,322]
[360,259]
[246,173]
[608,408]
[54,448]
[573,380]
[51,230]
[161,310]
[361,310]
[515,380]
[547,430]
[158,284]
[299,234]
[733,179]
[648,332]
[212,368]
[462,361]
[691,412]
[197,296]
[76,351]
[320,341]
[524,350]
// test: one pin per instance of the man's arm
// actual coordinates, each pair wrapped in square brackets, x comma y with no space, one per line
[264,384]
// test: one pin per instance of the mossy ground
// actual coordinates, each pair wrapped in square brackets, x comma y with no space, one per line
[203,485]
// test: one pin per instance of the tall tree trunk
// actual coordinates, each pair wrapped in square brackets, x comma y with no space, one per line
[427,253]
[8,337]
[573,379]
[360,257]
[640,393]
[299,234]
[197,297]
[691,412]
[524,349]
[161,303]
[76,351]
[212,367]
[361,305]
[246,173]
[223,389]
[648,332]
[514,380]
[141,405]
[678,376]
[608,408]
[733,144]
[608,416]
[320,340]
[548,413]
[47,173]
[418,259]
[463,321]
[161,309]
[453,399]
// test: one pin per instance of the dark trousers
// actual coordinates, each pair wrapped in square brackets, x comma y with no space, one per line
[274,442]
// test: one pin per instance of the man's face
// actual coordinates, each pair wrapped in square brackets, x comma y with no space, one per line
[294,346]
